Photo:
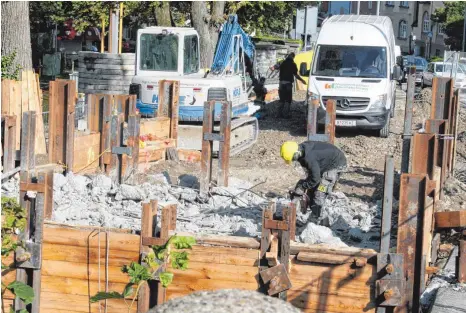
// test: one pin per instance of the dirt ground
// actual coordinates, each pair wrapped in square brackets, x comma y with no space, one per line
[365,151]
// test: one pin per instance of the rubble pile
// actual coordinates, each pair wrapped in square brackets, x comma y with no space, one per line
[233,210]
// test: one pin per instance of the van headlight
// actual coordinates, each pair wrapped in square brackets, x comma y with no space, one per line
[380,102]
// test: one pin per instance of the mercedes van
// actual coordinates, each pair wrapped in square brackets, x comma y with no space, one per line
[355,65]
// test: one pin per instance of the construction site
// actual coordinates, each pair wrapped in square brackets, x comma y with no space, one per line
[129,191]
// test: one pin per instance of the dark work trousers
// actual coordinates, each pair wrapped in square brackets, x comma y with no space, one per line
[285,92]
[328,182]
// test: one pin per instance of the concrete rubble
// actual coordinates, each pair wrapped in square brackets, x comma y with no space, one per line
[226,301]
[234,210]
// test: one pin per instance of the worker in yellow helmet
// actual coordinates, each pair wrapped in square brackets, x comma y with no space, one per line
[324,164]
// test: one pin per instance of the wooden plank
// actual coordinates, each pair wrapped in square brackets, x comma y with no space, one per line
[213,258]
[155,128]
[89,238]
[330,303]
[207,284]
[85,255]
[83,271]
[41,147]
[344,272]
[297,247]
[207,147]
[86,152]
[57,122]
[331,285]
[175,97]
[24,93]
[73,286]
[428,232]
[326,258]
[225,241]
[6,96]
[215,272]
[15,109]
[63,302]
[450,219]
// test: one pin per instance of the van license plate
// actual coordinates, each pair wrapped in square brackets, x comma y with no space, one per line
[345,123]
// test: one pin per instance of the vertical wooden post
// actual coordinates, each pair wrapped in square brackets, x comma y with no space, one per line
[330,120]
[132,142]
[410,237]
[224,146]
[284,246]
[207,147]
[28,135]
[105,138]
[462,262]
[9,142]
[116,130]
[62,101]
[312,108]
[174,111]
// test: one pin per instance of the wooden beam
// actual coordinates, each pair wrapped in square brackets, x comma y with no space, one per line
[462,262]
[450,219]
[326,258]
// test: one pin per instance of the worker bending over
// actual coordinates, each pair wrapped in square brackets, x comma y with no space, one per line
[324,164]
[288,71]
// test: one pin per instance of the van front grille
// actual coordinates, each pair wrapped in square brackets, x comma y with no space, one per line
[348,103]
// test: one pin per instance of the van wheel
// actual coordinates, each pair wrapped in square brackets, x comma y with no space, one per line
[385,131]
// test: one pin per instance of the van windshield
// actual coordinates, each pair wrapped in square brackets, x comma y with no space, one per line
[159,52]
[351,61]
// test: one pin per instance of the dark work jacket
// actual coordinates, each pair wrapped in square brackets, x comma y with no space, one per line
[288,70]
[318,158]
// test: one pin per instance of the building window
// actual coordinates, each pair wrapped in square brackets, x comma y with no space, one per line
[441,29]
[403,30]
[404,4]
[425,23]
[369,5]
[437,52]
[389,3]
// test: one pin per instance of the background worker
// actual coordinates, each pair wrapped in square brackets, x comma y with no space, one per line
[288,71]
[324,164]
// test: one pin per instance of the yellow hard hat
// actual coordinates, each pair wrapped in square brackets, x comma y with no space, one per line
[287,151]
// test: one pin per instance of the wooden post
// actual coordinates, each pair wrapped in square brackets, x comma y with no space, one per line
[410,237]
[207,147]
[462,262]
[330,120]
[9,142]
[284,246]
[28,256]
[132,142]
[148,220]
[224,145]
[105,138]
[62,102]
[28,135]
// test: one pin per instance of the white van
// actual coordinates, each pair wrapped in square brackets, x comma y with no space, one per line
[355,64]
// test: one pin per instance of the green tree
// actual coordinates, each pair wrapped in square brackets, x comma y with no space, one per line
[452,18]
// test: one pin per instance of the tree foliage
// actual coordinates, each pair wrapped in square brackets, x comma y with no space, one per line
[266,17]
[452,18]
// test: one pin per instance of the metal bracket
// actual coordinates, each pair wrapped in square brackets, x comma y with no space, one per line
[277,278]
[390,286]
[214,137]
[28,257]
[122,150]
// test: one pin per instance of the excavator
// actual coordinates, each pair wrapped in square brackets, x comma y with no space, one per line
[172,53]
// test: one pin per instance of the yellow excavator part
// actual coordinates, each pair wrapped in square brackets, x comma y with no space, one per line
[305,57]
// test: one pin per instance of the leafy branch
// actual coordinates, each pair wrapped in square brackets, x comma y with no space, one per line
[152,269]
[10,69]
[13,222]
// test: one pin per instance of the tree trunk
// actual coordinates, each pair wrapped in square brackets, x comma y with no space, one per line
[207,26]
[218,8]
[162,13]
[16,35]
[199,16]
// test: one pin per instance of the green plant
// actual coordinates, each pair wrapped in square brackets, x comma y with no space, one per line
[10,69]
[13,222]
[436,59]
[152,269]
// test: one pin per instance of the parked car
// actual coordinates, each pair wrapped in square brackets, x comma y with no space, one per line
[440,69]
[418,62]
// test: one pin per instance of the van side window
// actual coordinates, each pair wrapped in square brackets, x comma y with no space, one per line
[191,55]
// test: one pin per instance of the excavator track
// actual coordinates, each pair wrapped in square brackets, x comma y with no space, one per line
[244,134]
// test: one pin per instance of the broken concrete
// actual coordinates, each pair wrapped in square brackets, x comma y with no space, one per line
[226,301]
